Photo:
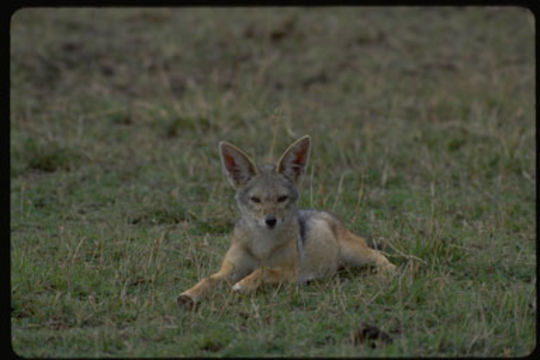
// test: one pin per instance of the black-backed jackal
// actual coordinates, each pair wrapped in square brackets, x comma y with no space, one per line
[273,241]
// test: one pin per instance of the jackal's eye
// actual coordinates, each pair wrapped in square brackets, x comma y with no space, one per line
[255,199]
[282,198]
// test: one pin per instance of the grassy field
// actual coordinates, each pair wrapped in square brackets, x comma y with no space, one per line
[423,128]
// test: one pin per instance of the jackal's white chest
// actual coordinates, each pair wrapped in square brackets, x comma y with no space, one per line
[264,242]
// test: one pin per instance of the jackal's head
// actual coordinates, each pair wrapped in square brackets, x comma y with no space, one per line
[266,195]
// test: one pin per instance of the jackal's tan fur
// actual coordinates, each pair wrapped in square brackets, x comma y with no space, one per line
[273,241]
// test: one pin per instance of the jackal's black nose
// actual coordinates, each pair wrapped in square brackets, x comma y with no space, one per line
[270,221]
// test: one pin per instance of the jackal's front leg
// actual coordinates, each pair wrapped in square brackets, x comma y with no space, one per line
[236,265]
[189,297]
[271,275]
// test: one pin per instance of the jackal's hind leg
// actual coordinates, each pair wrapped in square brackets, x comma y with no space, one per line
[355,251]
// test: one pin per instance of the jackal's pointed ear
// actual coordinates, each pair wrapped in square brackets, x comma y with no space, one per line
[294,160]
[236,164]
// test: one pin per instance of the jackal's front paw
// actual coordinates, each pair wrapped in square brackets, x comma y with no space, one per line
[238,287]
[185,302]
[244,286]
[388,268]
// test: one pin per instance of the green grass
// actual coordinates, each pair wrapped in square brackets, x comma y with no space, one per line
[422,122]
